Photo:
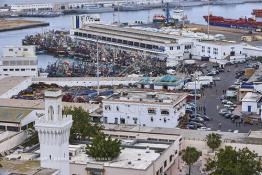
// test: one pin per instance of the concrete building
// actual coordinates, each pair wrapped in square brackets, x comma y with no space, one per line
[19,61]
[145,108]
[53,132]
[139,155]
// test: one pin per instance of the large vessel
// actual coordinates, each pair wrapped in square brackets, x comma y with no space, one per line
[97,8]
[241,23]
[257,13]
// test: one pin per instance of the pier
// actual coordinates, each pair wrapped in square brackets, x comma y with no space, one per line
[8,25]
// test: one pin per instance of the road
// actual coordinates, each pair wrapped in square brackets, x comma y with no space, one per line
[211,100]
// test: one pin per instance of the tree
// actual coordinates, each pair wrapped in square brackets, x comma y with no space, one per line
[233,162]
[82,126]
[190,155]
[103,148]
[213,141]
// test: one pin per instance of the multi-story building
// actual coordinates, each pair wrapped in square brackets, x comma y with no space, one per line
[19,61]
[145,108]
[32,7]
[160,44]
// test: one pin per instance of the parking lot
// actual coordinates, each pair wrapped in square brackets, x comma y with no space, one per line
[212,103]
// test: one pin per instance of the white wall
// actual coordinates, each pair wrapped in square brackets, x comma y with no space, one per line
[222,50]
[129,111]
[252,104]
[13,141]
[86,81]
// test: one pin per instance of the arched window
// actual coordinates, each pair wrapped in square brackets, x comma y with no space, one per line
[50,113]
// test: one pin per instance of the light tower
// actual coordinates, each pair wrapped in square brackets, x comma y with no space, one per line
[53,132]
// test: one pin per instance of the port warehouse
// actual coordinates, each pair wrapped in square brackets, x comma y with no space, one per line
[156,43]
[59,6]
[171,46]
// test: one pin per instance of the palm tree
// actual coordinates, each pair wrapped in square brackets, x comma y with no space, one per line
[213,141]
[190,155]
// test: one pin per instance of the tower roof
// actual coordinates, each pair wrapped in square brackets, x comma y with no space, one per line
[53,93]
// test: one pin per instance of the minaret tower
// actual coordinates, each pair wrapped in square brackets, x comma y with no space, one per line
[53,132]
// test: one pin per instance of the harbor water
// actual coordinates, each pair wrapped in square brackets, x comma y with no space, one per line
[194,14]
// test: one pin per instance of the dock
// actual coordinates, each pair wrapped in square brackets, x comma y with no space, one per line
[229,33]
[18,24]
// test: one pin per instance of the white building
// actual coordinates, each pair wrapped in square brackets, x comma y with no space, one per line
[53,132]
[155,109]
[19,61]
[139,155]
[251,103]
[32,7]
[163,45]
[219,50]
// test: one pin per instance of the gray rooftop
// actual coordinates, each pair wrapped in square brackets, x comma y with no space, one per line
[132,33]
[13,115]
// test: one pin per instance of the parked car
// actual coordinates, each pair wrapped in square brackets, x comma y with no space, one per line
[224,101]
[198,120]
[190,126]
[216,78]
[229,103]
[227,115]
[206,118]
[198,125]
[223,111]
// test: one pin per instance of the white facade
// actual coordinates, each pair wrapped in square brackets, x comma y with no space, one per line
[145,109]
[252,103]
[19,61]
[53,131]
[31,7]
[218,50]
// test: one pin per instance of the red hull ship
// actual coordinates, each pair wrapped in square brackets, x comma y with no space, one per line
[241,23]
[257,12]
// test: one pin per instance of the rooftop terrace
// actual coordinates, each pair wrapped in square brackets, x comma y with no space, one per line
[158,97]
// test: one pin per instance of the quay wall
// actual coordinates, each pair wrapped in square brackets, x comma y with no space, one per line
[25,26]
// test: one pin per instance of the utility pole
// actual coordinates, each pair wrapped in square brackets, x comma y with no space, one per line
[208,19]
[97,68]
[195,97]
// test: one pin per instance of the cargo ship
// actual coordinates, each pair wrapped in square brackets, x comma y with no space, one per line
[241,23]
[257,13]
